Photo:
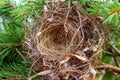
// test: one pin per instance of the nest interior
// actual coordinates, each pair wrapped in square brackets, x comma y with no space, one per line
[65,40]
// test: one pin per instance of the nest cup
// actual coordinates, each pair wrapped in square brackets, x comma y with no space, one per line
[65,40]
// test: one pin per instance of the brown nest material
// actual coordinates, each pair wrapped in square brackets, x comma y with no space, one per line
[64,43]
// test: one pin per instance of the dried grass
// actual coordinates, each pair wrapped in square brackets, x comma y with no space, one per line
[65,40]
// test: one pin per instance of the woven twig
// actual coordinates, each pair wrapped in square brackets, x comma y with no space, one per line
[65,40]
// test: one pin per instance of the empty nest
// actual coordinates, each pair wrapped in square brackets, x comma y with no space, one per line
[64,43]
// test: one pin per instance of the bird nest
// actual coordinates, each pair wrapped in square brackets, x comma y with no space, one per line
[64,42]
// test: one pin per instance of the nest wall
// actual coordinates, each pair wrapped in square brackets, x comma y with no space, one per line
[65,41]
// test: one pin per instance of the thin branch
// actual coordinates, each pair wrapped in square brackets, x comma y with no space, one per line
[21,55]
[33,65]
[107,66]
[108,53]
[113,47]
[114,55]
[115,59]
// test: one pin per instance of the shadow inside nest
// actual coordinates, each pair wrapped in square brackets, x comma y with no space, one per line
[64,43]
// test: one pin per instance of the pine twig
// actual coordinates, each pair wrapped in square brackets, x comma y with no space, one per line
[108,66]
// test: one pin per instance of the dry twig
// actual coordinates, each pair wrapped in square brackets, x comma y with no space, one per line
[107,66]
[62,38]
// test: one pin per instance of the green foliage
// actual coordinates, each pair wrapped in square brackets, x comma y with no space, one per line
[108,75]
[12,65]
[11,38]
[118,78]
[106,59]
[109,11]
[14,19]
[11,35]
[28,10]
[5,8]
[14,22]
